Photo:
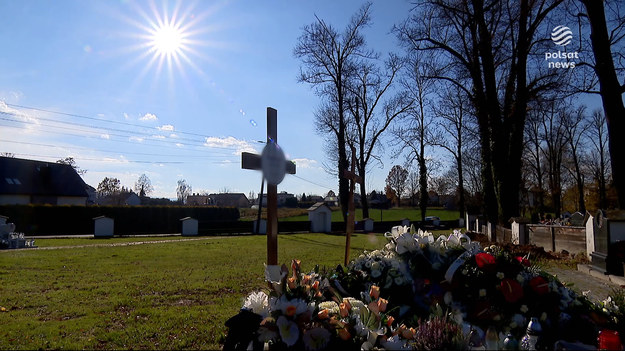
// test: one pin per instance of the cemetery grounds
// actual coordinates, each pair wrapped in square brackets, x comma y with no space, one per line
[118,294]
[156,293]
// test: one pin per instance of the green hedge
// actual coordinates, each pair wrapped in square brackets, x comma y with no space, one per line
[73,220]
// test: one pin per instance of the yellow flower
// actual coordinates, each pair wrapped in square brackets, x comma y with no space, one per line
[3,309]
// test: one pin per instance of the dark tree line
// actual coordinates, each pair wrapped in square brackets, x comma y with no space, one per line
[498,111]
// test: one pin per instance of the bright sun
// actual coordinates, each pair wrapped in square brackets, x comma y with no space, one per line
[167,40]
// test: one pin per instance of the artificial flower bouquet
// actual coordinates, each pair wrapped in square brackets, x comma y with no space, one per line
[418,292]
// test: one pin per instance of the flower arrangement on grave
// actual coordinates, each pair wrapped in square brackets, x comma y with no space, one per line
[418,292]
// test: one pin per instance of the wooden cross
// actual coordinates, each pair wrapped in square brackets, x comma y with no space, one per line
[254,161]
[351,214]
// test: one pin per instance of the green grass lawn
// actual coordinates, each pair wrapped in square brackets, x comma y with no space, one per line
[158,296]
[393,214]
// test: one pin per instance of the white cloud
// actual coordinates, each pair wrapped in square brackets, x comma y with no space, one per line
[158,136]
[230,143]
[305,163]
[166,127]
[101,115]
[137,139]
[179,145]
[105,136]
[173,135]
[15,113]
[149,117]
[126,117]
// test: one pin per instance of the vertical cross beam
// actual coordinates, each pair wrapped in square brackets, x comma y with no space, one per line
[272,195]
[351,215]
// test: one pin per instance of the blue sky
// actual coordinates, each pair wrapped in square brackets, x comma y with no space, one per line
[125,111]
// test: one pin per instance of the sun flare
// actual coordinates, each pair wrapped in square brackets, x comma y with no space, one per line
[167,40]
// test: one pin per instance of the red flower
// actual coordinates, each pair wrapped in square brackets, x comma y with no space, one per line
[511,290]
[485,261]
[523,261]
[539,285]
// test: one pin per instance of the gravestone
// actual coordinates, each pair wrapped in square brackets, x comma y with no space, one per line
[189,226]
[520,233]
[3,219]
[590,234]
[263,226]
[320,217]
[405,222]
[470,221]
[103,227]
[601,239]
[576,219]
[367,225]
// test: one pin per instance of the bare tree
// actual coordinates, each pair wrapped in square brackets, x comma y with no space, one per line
[143,186]
[607,30]
[452,114]
[413,186]
[183,190]
[396,181]
[328,60]
[599,160]
[533,156]
[554,138]
[71,162]
[416,132]
[372,112]
[575,128]
[108,187]
[490,45]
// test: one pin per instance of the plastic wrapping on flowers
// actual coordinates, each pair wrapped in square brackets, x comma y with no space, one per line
[416,292]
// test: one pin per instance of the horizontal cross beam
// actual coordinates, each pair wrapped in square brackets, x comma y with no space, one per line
[253,161]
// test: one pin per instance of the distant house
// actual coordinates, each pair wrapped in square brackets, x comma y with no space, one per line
[331,199]
[238,200]
[283,198]
[37,182]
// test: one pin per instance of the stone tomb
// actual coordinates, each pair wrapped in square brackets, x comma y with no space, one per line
[189,226]
[320,217]
[103,227]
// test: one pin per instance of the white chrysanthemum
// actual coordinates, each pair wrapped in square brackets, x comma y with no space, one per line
[524,308]
[500,275]
[356,304]
[257,302]
[289,333]
[520,278]
[316,339]
[331,306]
[482,292]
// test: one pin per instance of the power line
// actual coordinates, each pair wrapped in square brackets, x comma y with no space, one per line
[98,119]
[109,161]
[311,182]
[113,151]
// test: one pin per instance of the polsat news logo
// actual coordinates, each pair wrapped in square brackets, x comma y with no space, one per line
[561,36]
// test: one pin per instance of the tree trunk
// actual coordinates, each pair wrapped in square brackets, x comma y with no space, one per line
[363,195]
[611,92]
[460,186]
[342,162]
[423,186]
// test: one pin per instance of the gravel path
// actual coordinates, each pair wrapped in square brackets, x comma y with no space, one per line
[598,289]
